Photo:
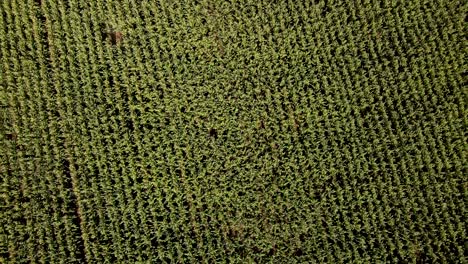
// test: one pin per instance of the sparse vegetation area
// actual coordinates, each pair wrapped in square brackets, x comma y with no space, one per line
[233,131]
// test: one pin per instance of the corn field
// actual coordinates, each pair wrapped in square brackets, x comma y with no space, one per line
[234,131]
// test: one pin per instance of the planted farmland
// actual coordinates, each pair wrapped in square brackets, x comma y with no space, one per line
[233,131]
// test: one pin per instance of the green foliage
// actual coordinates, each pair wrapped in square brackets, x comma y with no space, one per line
[233,131]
